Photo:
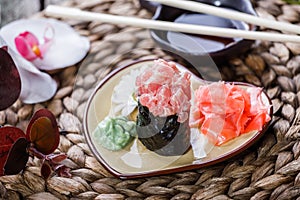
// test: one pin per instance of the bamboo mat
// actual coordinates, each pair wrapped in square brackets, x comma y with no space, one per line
[268,170]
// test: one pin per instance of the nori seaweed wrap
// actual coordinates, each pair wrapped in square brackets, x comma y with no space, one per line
[163,109]
[163,135]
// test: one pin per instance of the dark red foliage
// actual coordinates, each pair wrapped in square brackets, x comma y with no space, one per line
[52,163]
[10,82]
[8,136]
[56,158]
[41,139]
[17,158]
[43,131]
[4,150]
[5,48]
[63,171]
[46,170]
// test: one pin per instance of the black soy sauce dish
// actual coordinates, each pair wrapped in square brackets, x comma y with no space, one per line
[192,47]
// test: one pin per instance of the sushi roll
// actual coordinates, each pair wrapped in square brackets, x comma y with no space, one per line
[164,94]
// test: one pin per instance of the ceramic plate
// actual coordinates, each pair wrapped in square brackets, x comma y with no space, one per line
[135,160]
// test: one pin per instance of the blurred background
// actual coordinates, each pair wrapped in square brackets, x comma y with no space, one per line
[15,9]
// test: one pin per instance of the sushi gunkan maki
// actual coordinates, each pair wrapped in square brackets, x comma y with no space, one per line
[164,95]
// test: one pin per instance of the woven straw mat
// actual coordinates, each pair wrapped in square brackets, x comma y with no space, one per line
[268,170]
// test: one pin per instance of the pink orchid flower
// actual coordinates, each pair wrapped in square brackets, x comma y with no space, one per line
[42,44]
[48,44]
[29,46]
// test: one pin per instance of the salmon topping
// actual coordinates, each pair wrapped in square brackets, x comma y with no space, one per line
[164,90]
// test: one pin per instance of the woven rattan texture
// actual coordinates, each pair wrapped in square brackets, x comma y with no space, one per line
[268,170]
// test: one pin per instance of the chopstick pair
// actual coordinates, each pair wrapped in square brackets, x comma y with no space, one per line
[74,13]
[230,14]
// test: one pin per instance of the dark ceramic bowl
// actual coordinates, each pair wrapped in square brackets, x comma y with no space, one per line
[192,47]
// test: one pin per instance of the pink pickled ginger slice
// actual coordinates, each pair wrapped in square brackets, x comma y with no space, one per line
[224,111]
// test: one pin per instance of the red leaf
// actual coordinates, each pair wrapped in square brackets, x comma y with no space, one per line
[57,158]
[10,82]
[17,157]
[8,136]
[46,170]
[4,150]
[63,171]
[42,135]
[43,132]
[4,48]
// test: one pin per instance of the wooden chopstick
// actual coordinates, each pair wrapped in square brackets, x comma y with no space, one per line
[230,14]
[74,13]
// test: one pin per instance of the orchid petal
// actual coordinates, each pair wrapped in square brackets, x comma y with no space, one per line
[24,48]
[47,40]
[28,36]
[67,47]
[36,86]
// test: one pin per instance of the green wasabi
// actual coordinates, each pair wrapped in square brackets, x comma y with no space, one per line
[115,133]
